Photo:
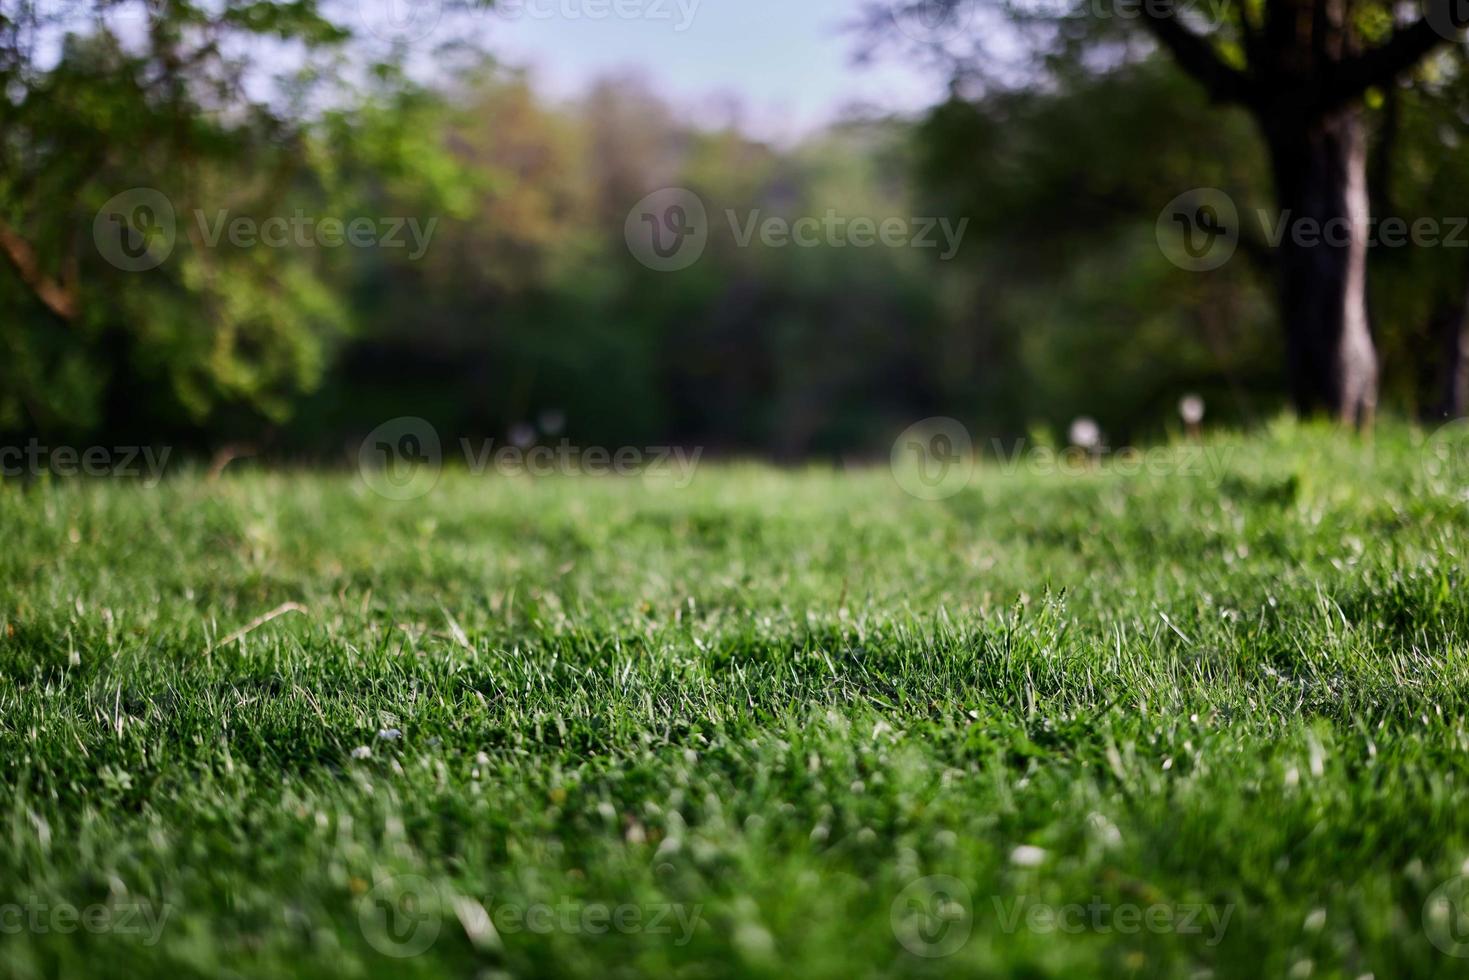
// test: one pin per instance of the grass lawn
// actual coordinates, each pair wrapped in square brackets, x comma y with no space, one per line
[1197,723]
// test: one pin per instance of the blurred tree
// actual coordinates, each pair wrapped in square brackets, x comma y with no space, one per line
[530,313]
[1302,69]
[1075,308]
[1419,174]
[119,121]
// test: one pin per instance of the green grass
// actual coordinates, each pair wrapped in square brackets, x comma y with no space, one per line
[757,709]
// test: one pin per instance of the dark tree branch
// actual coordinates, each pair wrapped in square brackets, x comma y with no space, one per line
[1390,59]
[1196,55]
[1250,32]
[59,296]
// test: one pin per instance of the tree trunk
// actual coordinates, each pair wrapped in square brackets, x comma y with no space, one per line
[1455,327]
[1320,168]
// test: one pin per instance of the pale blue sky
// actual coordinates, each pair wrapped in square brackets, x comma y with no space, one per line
[789,63]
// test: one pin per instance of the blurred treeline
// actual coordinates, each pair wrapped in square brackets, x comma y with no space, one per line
[527,307]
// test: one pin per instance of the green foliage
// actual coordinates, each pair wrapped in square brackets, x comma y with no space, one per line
[529,301]
[526,301]
[1074,303]
[213,330]
[1422,173]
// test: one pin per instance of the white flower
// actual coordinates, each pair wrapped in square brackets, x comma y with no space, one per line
[362,752]
[1191,409]
[1026,856]
[1086,433]
[389,734]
